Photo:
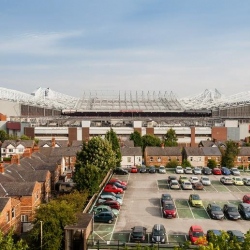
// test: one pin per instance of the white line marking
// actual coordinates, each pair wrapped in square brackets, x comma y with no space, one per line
[190,208]
[99,236]
[167,238]
[227,188]
[129,237]
[237,188]
[176,210]
[161,209]
[185,237]
[206,212]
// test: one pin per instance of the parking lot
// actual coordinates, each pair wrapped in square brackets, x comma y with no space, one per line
[142,207]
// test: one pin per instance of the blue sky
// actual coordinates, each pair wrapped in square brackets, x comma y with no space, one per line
[169,45]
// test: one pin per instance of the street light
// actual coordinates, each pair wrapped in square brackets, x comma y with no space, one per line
[41,234]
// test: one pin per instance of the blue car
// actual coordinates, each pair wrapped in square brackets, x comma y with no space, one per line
[225,171]
[105,216]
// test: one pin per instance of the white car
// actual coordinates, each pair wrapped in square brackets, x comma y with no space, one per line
[162,170]
[186,185]
[197,170]
[179,170]
[174,184]
[205,181]
[193,179]
[188,170]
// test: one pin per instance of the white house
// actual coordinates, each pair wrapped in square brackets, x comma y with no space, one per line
[195,156]
[131,156]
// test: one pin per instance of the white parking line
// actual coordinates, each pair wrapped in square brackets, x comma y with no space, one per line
[214,188]
[186,237]
[161,209]
[157,185]
[176,210]
[190,209]
[167,238]
[206,212]
[129,237]
[238,189]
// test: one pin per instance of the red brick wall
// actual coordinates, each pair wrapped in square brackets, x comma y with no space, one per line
[193,144]
[164,160]
[212,158]
[72,134]
[219,133]
[85,134]
[137,129]
[30,132]
[149,131]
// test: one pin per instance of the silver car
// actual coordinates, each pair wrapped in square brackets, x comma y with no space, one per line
[246,181]
[235,171]
[105,197]
[186,185]
[193,179]
[162,170]
[205,181]
[179,170]
[197,170]
[188,170]
[226,180]
[174,184]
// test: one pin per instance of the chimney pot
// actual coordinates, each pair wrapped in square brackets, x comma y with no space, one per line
[1,168]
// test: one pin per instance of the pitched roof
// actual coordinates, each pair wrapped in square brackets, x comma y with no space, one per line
[64,151]
[207,143]
[3,202]
[60,143]
[76,143]
[194,151]
[25,143]
[166,151]
[19,189]
[128,143]
[210,151]
[244,151]
[131,151]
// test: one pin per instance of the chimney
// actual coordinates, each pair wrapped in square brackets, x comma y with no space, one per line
[15,159]
[1,168]
[162,145]
[27,152]
[53,141]
[247,139]
[36,149]
[87,141]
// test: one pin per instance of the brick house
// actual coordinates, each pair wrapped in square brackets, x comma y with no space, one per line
[131,156]
[53,143]
[162,155]
[10,210]
[212,153]
[195,156]
[243,158]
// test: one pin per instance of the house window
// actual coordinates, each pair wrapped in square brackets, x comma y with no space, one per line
[199,158]
[13,212]
[4,150]
[11,150]
[159,159]
[24,218]
[37,195]
[67,160]
[169,158]
[177,158]
[217,159]
[151,159]
[129,159]
[191,158]
[20,150]
[8,217]
[239,158]
[248,158]
[209,158]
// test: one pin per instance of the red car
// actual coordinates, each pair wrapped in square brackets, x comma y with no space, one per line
[134,170]
[117,180]
[216,171]
[197,236]
[114,189]
[112,204]
[246,198]
[169,209]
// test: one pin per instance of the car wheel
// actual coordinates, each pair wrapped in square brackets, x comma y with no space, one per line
[118,192]
[110,221]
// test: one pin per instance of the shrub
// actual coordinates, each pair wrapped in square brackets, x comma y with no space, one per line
[172,164]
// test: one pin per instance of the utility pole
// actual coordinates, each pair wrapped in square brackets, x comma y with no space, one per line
[41,234]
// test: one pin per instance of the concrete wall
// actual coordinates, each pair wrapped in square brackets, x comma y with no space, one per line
[244,130]
[233,134]
[231,123]
[10,108]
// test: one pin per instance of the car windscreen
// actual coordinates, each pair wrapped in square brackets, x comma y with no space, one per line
[169,207]
[232,209]
[198,234]
[238,179]
[215,208]
[205,179]
[137,234]
[196,197]
[158,233]
[247,209]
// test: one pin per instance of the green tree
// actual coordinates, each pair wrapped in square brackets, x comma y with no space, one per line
[55,216]
[150,141]
[170,139]
[7,242]
[186,163]
[172,164]
[3,135]
[25,137]
[111,136]
[136,138]
[211,163]
[229,154]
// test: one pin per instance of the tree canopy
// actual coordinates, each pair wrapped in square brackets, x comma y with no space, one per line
[150,141]
[136,138]
[211,163]
[186,163]
[170,139]
[229,154]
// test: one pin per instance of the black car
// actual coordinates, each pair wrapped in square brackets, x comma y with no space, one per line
[143,169]
[165,197]
[211,233]
[231,212]
[215,212]
[113,194]
[171,178]
[152,169]
[138,234]
[244,210]
[206,171]
[120,171]
[119,185]
[158,234]
[107,216]
[237,235]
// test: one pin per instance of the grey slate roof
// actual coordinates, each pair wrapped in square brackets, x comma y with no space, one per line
[166,151]
[19,189]
[211,151]
[207,143]
[128,143]
[131,151]
[76,143]
[3,202]
[244,151]
[25,143]
[64,151]
[60,143]
[194,151]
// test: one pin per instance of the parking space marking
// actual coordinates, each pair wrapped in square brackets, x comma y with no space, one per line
[206,212]
[176,209]
[167,237]
[161,209]
[190,209]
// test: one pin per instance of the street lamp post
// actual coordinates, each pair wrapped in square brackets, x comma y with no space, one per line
[41,234]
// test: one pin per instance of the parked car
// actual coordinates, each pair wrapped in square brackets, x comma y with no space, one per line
[111,193]
[171,178]
[226,180]
[195,200]
[205,181]
[112,188]
[174,184]
[107,216]
[198,186]
[112,204]
[117,184]
[169,209]
[152,169]
[162,170]
[120,171]
[193,179]
[179,170]
[186,185]
[138,234]
[231,212]
[238,181]
[166,197]
[143,169]
[246,198]
[246,181]
[197,170]
[237,235]
[109,198]
[225,171]
[215,212]
[188,170]
[104,208]
[211,233]
[206,171]
[117,180]
[216,171]
[182,179]
[197,236]
[158,234]
[235,171]
[244,210]
[133,169]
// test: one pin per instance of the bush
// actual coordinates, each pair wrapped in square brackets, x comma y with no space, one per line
[186,163]
[172,164]
[7,159]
